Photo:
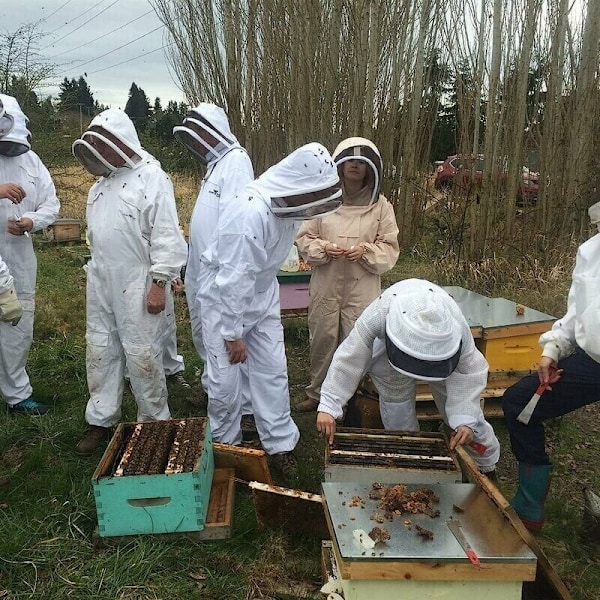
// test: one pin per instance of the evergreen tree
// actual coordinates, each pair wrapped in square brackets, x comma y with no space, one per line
[67,95]
[74,95]
[167,119]
[138,107]
[84,95]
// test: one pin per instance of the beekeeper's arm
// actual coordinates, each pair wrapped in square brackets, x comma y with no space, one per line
[465,386]
[47,204]
[349,365]
[10,307]
[381,255]
[168,250]
[314,249]
[241,252]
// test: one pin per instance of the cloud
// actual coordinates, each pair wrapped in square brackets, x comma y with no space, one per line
[112,43]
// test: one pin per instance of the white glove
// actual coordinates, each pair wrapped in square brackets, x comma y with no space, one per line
[10,307]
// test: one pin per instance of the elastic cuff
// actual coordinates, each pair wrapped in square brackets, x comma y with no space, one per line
[326,408]
[551,351]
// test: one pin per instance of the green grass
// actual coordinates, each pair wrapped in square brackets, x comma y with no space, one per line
[48,517]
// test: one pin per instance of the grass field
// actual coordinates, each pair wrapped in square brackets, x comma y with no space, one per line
[48,516]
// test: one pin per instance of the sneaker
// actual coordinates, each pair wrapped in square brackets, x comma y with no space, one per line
[285,463]
[94,438]
[29,407]
[307,405]
[179,379]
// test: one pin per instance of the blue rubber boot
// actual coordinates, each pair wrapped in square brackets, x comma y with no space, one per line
[534,483]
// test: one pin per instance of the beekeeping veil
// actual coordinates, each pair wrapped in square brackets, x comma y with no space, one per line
[110,143]
[358,148]
[304,185]
[423,339]
[594,213]
[205,133]
[15,138]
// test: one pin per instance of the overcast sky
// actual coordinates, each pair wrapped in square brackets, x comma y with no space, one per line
[72,29]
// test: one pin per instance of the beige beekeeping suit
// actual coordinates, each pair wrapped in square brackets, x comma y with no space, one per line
[340,289]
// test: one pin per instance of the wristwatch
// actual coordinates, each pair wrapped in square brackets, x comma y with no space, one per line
[160,282]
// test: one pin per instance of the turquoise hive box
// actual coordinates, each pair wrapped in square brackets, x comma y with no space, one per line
[155,478]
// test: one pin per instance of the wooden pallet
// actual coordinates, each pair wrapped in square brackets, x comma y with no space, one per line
[219,518]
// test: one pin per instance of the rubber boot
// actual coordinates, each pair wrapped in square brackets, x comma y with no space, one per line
[534,483]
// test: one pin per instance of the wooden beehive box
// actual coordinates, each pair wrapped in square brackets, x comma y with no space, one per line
[509,331]
[67,230]
[362,455]
[410,567]
[175,499]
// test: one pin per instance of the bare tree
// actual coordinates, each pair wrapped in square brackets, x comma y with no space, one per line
[20,59]
[525,73]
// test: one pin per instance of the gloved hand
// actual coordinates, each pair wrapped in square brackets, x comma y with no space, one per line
[10,307]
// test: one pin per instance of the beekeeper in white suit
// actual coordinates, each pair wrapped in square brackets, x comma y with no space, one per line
[239,294]
[414,331]
[206,133]
[137,250]
[28,203]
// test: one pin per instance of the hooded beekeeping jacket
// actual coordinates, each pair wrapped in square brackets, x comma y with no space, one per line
[457,397]
[41,206]
[134,238]
[239,294]
[226,176]
[339,289]
[581,325]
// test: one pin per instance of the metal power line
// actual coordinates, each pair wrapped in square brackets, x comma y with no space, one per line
[53,13]
[80,26]
[87,62]
[101,36]
[130,59]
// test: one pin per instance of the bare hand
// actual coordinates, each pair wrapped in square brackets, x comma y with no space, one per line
[355,253]
[334,250]
[19,226]
[237,351]
[326,426]
[13,192]
[548,371]
[460,436]
[178,286]
[157,299]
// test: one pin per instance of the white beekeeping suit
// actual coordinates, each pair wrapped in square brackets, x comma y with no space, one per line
[240,295]
[415,331]
[206,133]
[137,250]
[28,203]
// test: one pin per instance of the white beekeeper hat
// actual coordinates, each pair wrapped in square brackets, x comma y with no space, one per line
[423,339]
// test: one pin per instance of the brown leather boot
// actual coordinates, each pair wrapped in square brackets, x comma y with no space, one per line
[94,438]
[307,405]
